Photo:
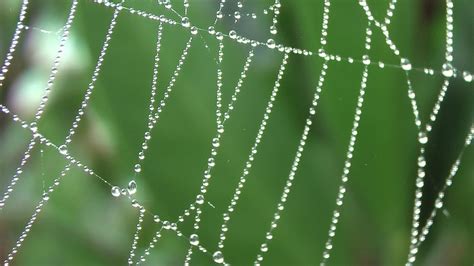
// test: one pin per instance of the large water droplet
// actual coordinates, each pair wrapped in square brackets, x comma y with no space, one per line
[405,63]
[115,191]
[194,239]
[211,30]
[366,60]
[132,187]
[185,22]
[194,30]
[447,70]
[232,34]
[423,138]
[218,257]
[467,76]
[237,15]
[166,225]
[273,30]
[271,43]
[200,199]
[215,142]
[63,149]
[156,218]
[45,197]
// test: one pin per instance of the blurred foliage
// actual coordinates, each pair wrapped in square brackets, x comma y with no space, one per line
[84,225]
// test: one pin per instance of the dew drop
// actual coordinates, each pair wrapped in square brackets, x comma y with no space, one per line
[447,70]
[156,218]
[166,3]
[237,15]
[215,142]
[366,60]
[34,127]
[115,191]
[132,187]
[200,199]
[273,30]
[423,138]
[185,22]
[138,168]
[220,129]
[467,76]
[194,239]
[218,257]
[194,30]
[135,204]
[63,149]
[271,43]
[232,34]
[405,63]
[211,30]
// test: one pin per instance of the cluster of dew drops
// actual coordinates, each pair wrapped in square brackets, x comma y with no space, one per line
[447,69]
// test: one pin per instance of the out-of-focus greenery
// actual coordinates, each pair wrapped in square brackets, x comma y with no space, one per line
[82,224]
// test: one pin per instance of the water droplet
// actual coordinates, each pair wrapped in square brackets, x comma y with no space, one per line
[211,30]
[218,257]
[271,43]
[366,60]
[132,187]
[237,15]
[194,30]
[166,3]
[215,142]
[467,76]
[232,34]
[138,168]
[185,22]
[135,204]
[156,218]
[200,199]
[63,149]
[194,239]
[447,70]
[273,30]
[423,138]
[405,63]
[34,127]
[115,191]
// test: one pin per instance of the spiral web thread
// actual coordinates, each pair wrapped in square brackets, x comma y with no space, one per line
[418,232]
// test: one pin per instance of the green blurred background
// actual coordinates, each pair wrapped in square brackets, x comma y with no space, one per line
[84,225]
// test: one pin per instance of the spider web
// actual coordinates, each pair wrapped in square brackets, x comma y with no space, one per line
[223,113]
